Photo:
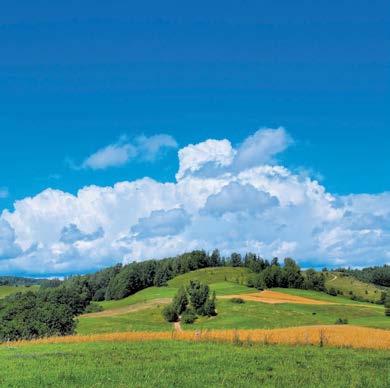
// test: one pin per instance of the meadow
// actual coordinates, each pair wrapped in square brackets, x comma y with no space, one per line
[175,363]
[259,342]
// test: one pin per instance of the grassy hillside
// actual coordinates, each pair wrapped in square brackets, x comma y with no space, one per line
[212,275]
[142,311]
[348,284]
[174,363]
[8,290]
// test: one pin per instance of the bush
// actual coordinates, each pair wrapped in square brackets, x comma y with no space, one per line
[188,316]
[332,291]
[341,321]
[93,308]
[237,300]
[169,313]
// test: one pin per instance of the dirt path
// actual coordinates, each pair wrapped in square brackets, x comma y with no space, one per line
[177,327]
[128,309]
[332,280]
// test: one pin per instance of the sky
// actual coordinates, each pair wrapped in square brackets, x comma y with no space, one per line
[278,105]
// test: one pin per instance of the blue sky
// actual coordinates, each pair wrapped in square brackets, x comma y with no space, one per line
[77,76]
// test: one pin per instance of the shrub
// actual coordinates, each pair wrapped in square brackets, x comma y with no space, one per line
[341,321]
[332,291]
[188,316]
[93,308]
[169,313]
[209,307]
[237,300]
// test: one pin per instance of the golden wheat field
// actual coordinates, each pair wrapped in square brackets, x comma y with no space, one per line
[333,335]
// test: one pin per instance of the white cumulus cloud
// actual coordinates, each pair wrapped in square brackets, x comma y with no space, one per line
[226,197]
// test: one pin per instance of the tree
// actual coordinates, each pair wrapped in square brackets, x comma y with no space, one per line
[292,274]
[235,259]
[180,301]
[199,294]
[209,308]
[215,258]
[170,313]
[314,280]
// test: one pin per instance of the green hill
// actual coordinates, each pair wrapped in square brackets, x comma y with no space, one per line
[349,286]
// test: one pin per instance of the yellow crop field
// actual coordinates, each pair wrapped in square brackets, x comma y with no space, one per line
[332,335]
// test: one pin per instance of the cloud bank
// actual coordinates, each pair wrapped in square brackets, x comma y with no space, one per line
[235,198]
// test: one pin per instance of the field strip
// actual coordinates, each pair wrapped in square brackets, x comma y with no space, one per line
[320,335]
[274,297]
[128,309]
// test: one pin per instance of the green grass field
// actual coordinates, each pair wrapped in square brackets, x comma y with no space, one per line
[190,364]
[8,290]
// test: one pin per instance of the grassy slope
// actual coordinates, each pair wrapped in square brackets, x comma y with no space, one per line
[212,275]
[172,363]
[8,290]
[349,283]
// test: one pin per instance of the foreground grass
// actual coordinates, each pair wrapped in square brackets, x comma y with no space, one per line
[174,363]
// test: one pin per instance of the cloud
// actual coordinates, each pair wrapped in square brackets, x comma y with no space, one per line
[71,234]
[4,193]
[121,152]
[261,147]
[193,158]
[161,223]
[149,148]
[8,247]
[231,198]
[213,157]
[237,197]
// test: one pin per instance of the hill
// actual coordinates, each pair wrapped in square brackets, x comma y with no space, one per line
[142,310]
[350,286]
